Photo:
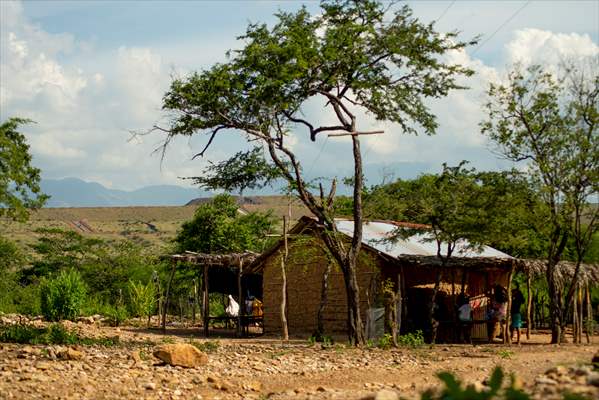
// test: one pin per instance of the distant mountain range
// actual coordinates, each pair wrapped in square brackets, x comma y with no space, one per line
[73,192]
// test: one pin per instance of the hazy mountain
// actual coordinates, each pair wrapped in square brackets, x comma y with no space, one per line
[73,192]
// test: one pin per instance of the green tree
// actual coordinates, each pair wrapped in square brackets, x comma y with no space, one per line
[19,180]
[353,55]
[551,123]
[219,227]
[245,170]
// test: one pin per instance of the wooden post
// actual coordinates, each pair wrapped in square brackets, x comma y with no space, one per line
[404,300]
[580,313]
[528,304]
[589,326]
[398,310]
[167,295]
[193,302]
[206,304]
[241,301]
[284,327]
[575,317]
[507,337]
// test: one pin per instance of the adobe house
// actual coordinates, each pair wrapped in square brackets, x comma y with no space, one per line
[410,265]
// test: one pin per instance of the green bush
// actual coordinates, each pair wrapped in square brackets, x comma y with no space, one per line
[385,342]
[62,297]
[54,334]
[26,334]
[58,334]
[142,299]
[414,339]
[116,314]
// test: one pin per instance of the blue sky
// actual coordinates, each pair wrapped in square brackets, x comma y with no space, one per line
[89,72]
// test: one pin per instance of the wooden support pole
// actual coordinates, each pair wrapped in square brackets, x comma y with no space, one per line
[193,302]
[241,301]
[589,327]
[528,304]
[398,310]
[575,317]
[507,336]
[206,304]
[404,300]
[167,295]
[284,327]
[580,313]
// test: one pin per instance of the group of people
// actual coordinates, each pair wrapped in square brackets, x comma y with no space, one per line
[496,313]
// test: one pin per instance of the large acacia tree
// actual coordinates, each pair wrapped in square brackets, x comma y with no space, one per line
[550,122]
[354,56]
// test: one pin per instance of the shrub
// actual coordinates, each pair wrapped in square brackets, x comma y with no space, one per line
[453,390]
[54,334]
[116,314]
[58,334]
[385,342]
[414,339]
[63,296]
[20,334]
[208,346]
[142,299]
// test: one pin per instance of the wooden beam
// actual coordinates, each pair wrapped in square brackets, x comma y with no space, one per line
[355,133]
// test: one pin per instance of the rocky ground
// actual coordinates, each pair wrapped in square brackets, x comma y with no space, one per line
[263,368]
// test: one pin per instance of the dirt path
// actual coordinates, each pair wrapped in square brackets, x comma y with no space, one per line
[262,368]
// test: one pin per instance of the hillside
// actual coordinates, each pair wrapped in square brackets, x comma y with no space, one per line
[150,226]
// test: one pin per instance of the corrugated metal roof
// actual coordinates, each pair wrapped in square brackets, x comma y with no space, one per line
[374,234]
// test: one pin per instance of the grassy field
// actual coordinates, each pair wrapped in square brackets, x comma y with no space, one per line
[150,226]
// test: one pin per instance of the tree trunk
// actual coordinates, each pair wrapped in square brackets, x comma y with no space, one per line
[431,310]
[355,326]
[324,289]
[555,309]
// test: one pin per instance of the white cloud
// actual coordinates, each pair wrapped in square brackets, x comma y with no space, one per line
[534,46]
[86,101]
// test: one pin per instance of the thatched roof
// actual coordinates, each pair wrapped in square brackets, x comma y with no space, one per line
[588,274]
[218,260]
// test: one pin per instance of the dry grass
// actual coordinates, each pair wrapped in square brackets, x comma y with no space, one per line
[150,226]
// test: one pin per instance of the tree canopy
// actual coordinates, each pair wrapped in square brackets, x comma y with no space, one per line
[550,122]
[245,170]
[19,180]
[219,227]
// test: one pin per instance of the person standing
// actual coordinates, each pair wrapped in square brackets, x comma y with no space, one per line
[516,315]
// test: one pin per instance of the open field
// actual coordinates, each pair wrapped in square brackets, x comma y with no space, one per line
[261,368]
[150,226]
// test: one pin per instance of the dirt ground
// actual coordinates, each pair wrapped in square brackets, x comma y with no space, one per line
[260,368]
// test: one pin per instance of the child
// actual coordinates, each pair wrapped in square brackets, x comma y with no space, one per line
[465,319]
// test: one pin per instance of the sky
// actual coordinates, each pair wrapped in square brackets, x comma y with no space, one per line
[89,73]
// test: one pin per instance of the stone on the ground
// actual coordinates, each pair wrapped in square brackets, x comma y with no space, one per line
[386,394]
[181,354]
[70,354]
